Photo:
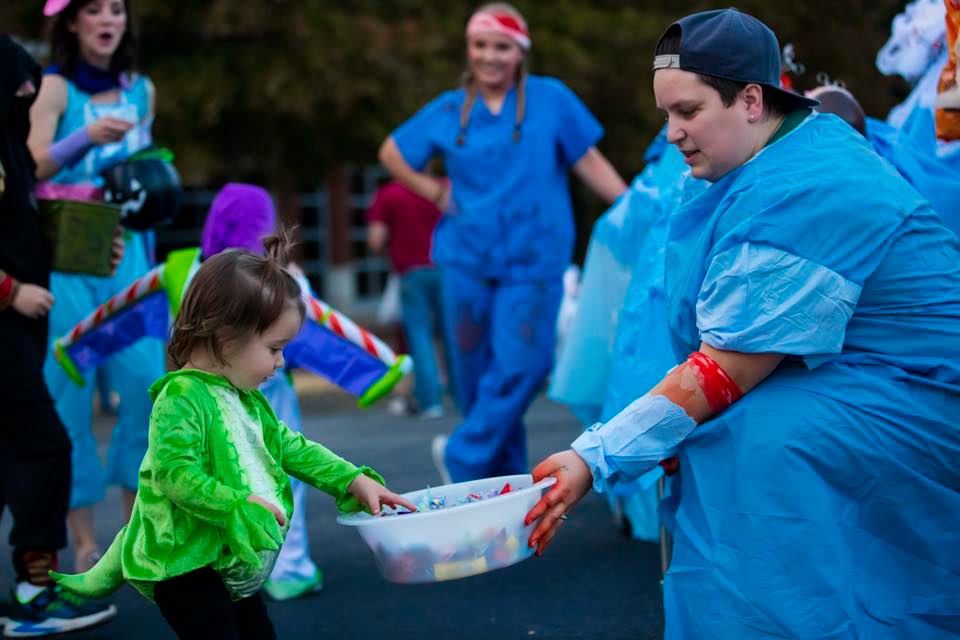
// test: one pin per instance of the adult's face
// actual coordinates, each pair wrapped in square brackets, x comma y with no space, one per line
[493,58]
[99,27]
[714,138]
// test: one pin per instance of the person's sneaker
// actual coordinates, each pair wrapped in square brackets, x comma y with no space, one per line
[44,611]
[438,448]
[291,588]
[399,406]
[431,413]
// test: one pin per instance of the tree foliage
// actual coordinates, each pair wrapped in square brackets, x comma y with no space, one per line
[279,91]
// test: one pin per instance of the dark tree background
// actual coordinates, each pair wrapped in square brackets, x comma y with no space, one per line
[283,92]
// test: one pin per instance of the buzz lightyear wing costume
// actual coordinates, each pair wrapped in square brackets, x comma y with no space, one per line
[143,309]
[330,344]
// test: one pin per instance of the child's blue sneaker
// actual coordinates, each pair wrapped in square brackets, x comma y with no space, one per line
[43,611]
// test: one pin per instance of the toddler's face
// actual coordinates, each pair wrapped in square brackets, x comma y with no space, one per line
[250,363]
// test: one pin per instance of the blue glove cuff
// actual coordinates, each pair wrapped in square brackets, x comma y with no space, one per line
[634,441]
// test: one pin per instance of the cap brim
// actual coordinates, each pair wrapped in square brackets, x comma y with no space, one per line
[795,100]
[53,7]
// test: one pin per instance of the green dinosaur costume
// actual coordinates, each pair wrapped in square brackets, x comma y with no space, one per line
[211,446]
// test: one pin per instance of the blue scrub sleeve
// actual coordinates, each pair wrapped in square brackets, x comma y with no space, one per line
[634,441]
[415,137]
[579,129]
[759,299]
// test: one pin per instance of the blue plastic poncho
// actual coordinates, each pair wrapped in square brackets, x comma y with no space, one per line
[626,245]
[625,254]
[917,51]
[825,503]
[913,150]
[642,352]
[618,347]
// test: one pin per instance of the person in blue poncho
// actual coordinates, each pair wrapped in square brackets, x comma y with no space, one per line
[932,176]
[508,140]
[813,298]
[618,344]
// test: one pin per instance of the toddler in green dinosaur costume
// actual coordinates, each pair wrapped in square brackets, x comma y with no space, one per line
[214,500]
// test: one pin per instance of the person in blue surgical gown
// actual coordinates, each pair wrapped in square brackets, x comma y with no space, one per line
[818,296]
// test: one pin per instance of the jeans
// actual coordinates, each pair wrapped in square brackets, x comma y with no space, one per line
[421,306]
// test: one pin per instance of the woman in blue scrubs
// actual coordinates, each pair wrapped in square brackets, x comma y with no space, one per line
[818,297]
[508,140]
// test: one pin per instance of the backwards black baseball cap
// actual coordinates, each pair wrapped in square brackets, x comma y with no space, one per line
[728,44]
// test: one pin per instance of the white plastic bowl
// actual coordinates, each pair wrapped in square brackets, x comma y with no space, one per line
[456,541]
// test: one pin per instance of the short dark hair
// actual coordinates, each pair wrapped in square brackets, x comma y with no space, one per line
[65,51]
[774,102]
[234,295]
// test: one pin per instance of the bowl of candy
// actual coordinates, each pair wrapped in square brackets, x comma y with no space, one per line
[458,530]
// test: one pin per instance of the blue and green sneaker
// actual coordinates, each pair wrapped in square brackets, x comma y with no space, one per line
[42,611]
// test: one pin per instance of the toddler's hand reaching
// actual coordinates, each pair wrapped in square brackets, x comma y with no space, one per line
[372,494]
[272,508]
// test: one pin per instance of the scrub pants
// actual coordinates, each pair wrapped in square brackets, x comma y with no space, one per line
[294,561]
[131,373]
[503,335]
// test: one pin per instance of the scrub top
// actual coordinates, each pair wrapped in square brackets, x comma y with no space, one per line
[511,217]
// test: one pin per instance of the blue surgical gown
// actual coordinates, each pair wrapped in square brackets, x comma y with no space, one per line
[825,503]
[913,151]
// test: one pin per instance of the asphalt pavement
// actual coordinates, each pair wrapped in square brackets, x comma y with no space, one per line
[593,582]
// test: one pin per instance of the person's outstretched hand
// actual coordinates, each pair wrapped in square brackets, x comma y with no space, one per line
[573,481]
[372,494]
[32,301]
[269,506]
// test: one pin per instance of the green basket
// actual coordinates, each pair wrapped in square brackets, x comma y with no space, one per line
[81,234]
